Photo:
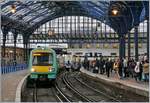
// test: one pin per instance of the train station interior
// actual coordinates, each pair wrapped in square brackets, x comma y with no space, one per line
[105,42]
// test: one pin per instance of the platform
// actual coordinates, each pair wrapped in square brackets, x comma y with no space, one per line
[9,83]
[141,88]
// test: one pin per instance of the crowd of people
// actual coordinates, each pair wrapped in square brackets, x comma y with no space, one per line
[122,67]
[73,66]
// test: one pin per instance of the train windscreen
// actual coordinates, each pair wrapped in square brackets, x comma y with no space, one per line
[42,59]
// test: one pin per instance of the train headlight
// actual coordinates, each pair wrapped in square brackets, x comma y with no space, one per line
[51,69]
[32,70]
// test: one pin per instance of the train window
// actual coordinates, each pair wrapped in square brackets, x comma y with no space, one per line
[42,59]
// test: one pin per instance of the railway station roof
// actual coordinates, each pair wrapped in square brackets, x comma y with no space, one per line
[29,15]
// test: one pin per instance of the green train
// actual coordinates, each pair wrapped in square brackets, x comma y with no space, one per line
[43,64]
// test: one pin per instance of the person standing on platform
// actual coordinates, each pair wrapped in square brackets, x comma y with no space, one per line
[116,67]
[132,66]
[141,70]
[97,65]
[103,63]
[108,67]
[137,71]
[86,63]
[68,66]
[112,63]
[120,68]
[146,70]
[101,66]
[124,67]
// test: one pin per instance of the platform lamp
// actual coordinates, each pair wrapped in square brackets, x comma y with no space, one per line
[13,8]
[114,11]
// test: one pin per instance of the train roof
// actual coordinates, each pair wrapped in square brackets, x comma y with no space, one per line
[43,49]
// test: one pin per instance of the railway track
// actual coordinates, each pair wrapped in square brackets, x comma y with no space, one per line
[98,91]
[87,93]
[71,87]
[67,88]
[45,94]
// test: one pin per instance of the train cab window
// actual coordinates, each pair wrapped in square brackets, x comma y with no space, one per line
[42,59]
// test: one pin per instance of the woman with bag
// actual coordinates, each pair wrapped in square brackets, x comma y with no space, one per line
[146,70]
[116,67]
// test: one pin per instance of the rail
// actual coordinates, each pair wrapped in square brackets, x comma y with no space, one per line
[96,90]
[69,85]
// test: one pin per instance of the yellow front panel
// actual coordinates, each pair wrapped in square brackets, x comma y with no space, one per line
[41,68]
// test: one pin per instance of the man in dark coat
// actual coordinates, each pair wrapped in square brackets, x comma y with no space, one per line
[108,67]
[120,68]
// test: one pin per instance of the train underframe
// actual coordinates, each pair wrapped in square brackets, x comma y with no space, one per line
[34,78]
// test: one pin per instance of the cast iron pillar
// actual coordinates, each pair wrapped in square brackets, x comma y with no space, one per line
[5,32]
[129,45]
[148,38]
[15,41]
[25,44]
[24,51]
[4,42]
[136,42]
[122,46]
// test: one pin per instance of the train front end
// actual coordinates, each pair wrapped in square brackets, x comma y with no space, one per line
[43,65]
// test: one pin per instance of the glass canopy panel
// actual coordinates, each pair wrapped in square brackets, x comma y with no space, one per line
[93,5]
[38,19]
[27,18]
[43,11]
[76,30]
[22,11]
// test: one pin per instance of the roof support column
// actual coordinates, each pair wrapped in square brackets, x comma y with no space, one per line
[5,32]
[136,42]
[25,44]
[122,46]
[147,37]
[15,41]
[129,50]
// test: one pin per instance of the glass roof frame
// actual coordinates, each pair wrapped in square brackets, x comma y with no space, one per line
[95,9]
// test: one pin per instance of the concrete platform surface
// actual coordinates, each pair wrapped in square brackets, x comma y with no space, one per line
[9,83]
[139,87]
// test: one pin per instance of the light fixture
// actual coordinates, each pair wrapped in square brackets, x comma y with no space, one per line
[106,45]
[131,45]
[13,8]
[97,45]
[140,45]
[88,45]
[50,32]
[11,51]
[115,46]
[114,12]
